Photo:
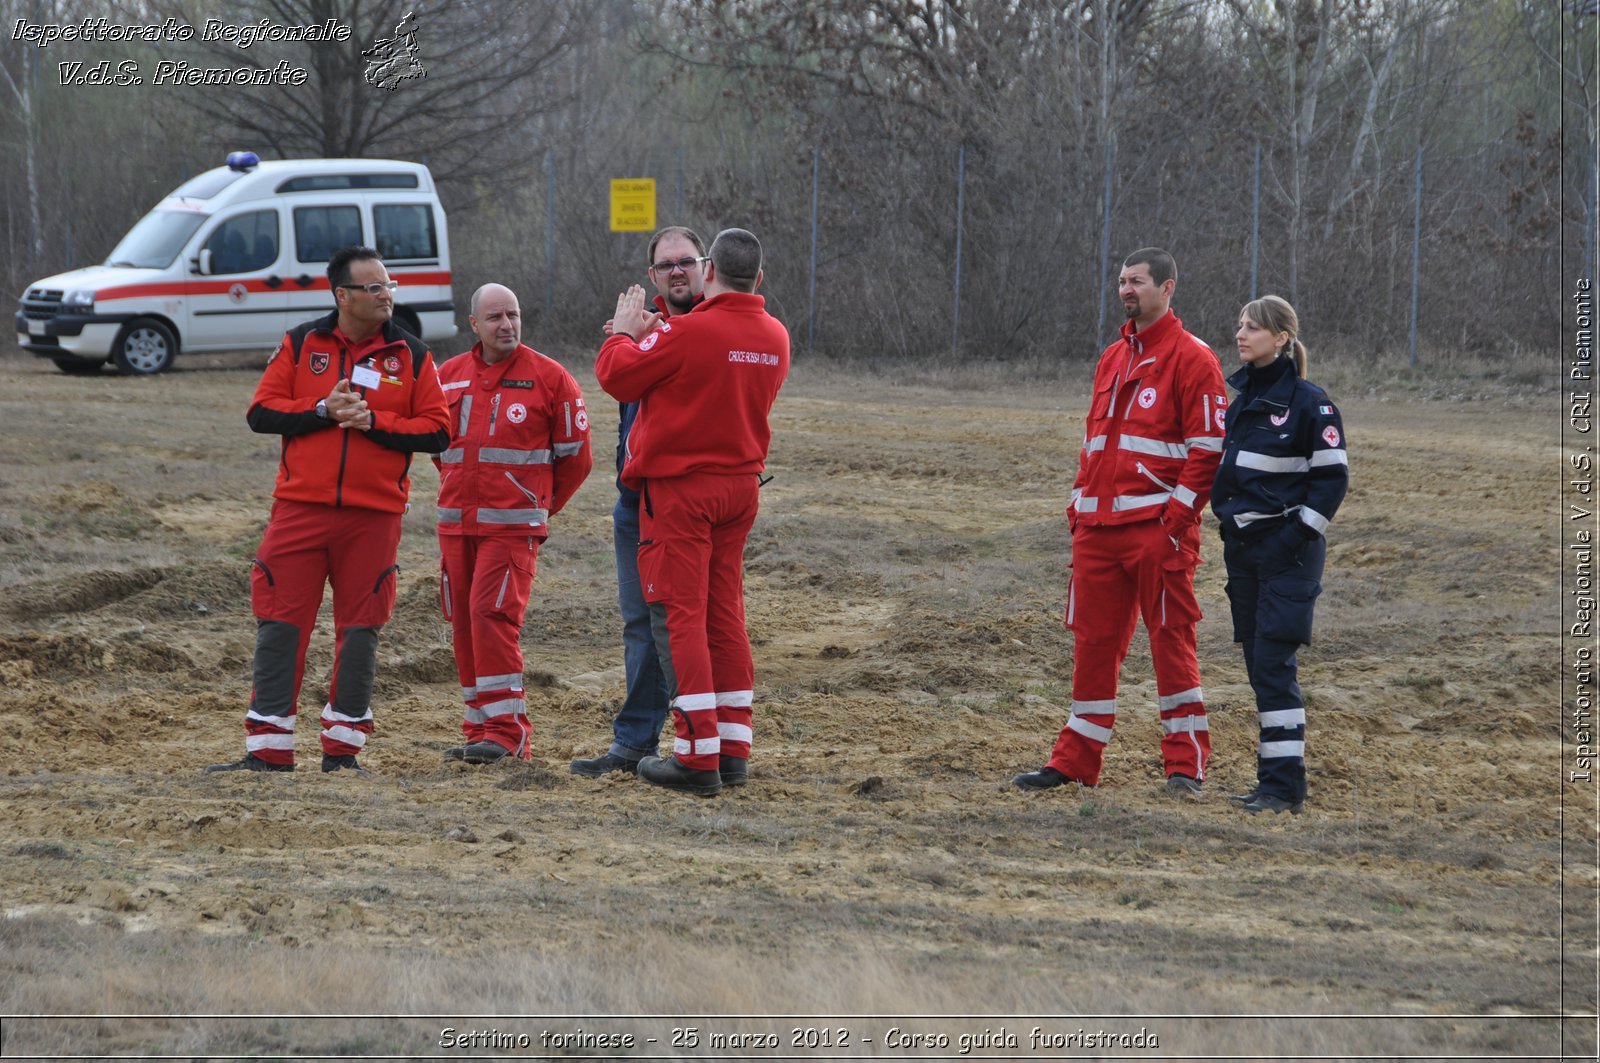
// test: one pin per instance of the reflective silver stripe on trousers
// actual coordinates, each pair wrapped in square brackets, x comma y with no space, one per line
[1282,718]
[511,681]
[1154,447]
[1168,702]
[505,707]
[511,516]
[1249,459]
[1093,732]
[508,456]
[1329,457]
[1185,725]
[1268,750]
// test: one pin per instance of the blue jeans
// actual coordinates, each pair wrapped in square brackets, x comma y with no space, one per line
[637,727]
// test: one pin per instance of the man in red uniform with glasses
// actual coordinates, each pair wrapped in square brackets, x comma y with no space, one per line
[354,396]
[705,382]
[519,450]
[1152,442]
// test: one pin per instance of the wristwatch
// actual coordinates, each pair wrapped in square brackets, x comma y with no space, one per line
[322,409]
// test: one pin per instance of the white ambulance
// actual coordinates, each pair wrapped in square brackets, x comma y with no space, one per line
[238,255]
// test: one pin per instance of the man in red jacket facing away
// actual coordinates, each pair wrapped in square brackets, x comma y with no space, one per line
[1152,442]
[353,396]
[519,449]
[705,382]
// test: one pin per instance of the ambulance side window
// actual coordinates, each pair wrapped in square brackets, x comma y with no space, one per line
[320,231]
[244,244]
[405,231]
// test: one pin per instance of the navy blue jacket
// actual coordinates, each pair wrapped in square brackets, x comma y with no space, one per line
[1283,458]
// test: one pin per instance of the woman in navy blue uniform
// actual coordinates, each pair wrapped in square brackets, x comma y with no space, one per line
[1282,477]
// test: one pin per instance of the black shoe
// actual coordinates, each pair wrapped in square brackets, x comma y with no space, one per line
[345,762]
[735,771]
[1260,802]
[249,762]
[455,753]
[671,773]
[1183,786]
[605,764]
[485,752]
[1046,778]
[1244,798]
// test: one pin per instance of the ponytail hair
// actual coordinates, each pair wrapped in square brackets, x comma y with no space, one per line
[1274,314]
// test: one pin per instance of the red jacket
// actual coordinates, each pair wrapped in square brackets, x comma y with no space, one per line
[705,382]
[519,444]
[323,463]
[1154,429]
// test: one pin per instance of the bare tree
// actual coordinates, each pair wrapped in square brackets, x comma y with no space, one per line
[486,76]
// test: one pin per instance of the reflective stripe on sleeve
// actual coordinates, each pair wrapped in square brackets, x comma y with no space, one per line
[567,450]
[1314,520]
[1155,447]
[1249,459]
[1213,443]
[1184,495]
[1329,457]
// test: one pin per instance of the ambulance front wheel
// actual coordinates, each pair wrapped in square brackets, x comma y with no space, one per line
[144,346]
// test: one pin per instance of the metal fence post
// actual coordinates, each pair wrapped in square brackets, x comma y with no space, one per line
[1105,242]
[1416,255]
[1255,231]
[961,193]
[549,232]
[811,285]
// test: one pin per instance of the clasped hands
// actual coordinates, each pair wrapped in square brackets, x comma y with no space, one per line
[348,409]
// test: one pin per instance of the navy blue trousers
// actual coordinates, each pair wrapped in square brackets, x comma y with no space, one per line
[1272,593]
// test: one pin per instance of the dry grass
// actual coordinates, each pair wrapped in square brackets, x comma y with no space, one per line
[905,585]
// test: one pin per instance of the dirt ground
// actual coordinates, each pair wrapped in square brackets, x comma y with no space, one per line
[905,589]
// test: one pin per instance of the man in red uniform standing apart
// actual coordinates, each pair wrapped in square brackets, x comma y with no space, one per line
[705,382]
[1152,441]
[519,449]
[353,396]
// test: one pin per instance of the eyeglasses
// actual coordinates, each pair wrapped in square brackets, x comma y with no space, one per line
[684,264]
[375,288]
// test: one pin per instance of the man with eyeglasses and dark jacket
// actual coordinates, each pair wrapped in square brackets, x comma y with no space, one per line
[676,266]
[354,396]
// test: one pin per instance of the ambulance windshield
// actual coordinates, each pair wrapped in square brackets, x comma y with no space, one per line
[157,239]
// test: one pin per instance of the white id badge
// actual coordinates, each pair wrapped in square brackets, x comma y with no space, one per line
[364,376]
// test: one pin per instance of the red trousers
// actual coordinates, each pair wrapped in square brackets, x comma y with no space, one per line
[484,587]
[692,532]
[306,546]
[1119,571]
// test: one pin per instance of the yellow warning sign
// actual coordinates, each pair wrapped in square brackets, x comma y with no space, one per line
[633,205]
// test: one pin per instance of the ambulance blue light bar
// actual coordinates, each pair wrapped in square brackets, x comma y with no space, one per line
[243,161]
